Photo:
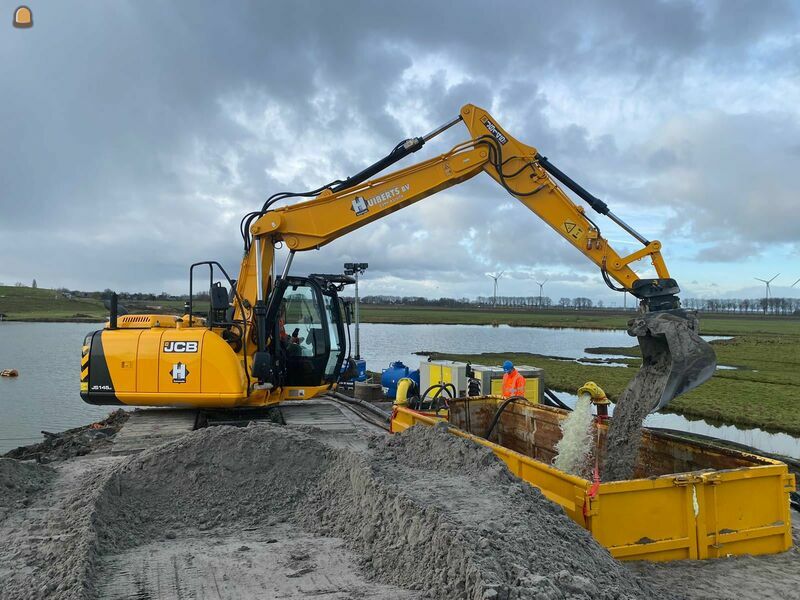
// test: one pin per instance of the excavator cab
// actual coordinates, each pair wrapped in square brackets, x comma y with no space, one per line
[308,345]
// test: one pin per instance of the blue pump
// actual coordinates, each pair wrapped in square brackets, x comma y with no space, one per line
[396,371]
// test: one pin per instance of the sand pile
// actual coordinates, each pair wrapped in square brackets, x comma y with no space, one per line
[434,512]
[20,483]
[424,510]
[211,478]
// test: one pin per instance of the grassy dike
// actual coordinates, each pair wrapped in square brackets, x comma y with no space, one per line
[44,305]
[38,304]
[763,392]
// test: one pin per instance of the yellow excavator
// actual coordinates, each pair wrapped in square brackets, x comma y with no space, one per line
[270,336]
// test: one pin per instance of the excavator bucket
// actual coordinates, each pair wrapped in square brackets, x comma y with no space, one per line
[675,359]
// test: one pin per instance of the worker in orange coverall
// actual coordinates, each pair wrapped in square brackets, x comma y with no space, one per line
[513,382]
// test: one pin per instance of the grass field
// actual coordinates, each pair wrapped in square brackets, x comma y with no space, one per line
[38,304]
[710,324]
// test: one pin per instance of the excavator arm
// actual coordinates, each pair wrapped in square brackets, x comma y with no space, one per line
[518,168]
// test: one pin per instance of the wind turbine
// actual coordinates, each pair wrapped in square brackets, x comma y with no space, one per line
[495,277]
[541,287]
[767,282]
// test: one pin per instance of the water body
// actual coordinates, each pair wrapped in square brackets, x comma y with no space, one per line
[383,343]
[45,396]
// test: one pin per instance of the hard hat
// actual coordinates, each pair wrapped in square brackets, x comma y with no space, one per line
[508,366]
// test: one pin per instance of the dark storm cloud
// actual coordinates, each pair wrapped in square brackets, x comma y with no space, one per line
[133,135]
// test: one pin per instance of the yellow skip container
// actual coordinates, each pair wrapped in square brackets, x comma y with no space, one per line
[689,501]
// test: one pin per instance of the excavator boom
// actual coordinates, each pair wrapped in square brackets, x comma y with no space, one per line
[685,360]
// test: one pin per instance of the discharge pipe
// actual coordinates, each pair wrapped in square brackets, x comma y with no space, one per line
[499,412]
[598,397]
[365,405]
[404,386]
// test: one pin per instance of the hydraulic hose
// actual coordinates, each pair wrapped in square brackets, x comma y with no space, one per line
[440,394]
[428,390]
[499,412]
[442,387]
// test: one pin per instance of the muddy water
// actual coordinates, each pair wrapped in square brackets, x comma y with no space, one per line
[624,433]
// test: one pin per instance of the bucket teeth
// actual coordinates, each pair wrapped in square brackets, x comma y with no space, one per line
[672,352]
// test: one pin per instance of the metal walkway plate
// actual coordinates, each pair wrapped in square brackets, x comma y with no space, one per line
[335,424]
[152,427]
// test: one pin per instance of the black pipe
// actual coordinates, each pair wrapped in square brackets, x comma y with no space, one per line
[555,399]
[114,310]
[593,201]
[437,395]
[422,396]
[425,393]
[366,405]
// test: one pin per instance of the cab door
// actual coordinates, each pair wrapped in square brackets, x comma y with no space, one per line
[308,342]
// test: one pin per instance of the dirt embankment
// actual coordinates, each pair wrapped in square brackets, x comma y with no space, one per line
[79,441]
[429,514]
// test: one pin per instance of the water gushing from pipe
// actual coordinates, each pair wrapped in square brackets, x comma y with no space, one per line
[575,444]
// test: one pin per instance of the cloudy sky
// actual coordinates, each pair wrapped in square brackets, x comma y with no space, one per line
[134,135]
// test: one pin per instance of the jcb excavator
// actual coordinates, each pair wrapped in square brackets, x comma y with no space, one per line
[270,337]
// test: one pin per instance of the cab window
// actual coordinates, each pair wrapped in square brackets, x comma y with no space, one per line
[301,324]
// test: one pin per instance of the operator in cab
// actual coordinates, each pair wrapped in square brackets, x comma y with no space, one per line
[513,382]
